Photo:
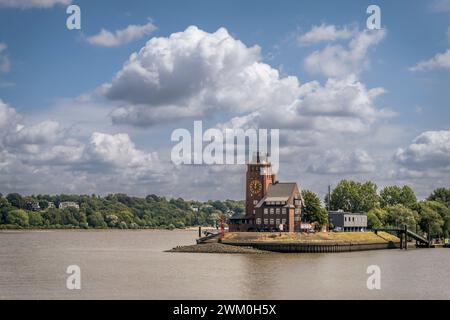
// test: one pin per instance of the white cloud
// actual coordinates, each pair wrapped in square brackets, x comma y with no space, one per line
[339,106]
[27,4]
[109,39]
[439,61]
[195,73]
[440,6]
[5,64]
[118,150]
[429,153]
[337,161]
[41,133]
[9,119]
[339,61]
[192,74]
[325,32]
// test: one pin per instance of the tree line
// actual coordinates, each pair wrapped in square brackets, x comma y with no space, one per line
[392,206]
[113,211]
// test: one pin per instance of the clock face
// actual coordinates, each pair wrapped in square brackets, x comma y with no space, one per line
[255,187]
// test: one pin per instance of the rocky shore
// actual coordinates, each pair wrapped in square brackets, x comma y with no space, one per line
[217,248]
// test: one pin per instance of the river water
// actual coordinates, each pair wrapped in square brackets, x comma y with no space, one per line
[133,265]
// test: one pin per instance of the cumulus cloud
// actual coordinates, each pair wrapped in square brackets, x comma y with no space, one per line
[41,133]
[337,60]
[439,61]
[429,153]
[337,161]
[27,4]
[9,119]
[325,32]
[341,105]
[194,73]
[112,39]
[48,143]
[118,150]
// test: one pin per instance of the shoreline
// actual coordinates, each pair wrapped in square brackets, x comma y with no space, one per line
[190,229]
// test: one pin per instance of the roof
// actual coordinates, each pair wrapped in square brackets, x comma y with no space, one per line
[348,213]
[278,192]
[281,189]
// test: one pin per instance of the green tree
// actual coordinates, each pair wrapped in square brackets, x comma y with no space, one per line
[96,220]
[16,200]
[352,196]
[35,219]
[434,216]
[18,217]
[393,195]
[313,211]
[381,214]
[398,216]
[441,195]
[373,222]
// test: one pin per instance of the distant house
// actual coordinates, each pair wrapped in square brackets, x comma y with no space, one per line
[33,206]
[51,205]
[68,204]
[346,221]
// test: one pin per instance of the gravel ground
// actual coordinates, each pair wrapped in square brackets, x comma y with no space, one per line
[217,248]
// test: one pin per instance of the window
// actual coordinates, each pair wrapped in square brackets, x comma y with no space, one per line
[258,220]
[283,221]
[297,211]
[277,222]
[277,210]
[297,218]
[271,210]
[266,221]
[266,211]
[271,221]
[255,202]
[283,211]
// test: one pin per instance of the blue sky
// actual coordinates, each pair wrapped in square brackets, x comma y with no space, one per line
[50,67]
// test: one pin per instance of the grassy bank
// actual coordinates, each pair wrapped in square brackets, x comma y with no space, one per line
[319,238]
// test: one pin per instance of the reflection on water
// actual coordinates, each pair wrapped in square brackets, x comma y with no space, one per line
[132,265]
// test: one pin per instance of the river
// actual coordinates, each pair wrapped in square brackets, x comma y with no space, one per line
[118,264]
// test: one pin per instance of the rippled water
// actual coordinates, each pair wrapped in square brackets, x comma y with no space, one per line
[132,265]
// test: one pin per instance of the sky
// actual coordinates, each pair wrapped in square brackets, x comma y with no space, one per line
[92,110]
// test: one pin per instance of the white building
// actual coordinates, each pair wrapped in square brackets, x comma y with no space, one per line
[67,204]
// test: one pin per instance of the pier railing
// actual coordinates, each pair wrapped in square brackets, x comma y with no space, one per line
[404,233]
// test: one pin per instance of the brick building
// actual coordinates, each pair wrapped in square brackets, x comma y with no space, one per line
[270,205]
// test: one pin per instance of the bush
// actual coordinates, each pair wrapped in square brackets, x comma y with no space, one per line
[35,219]
[18,217]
